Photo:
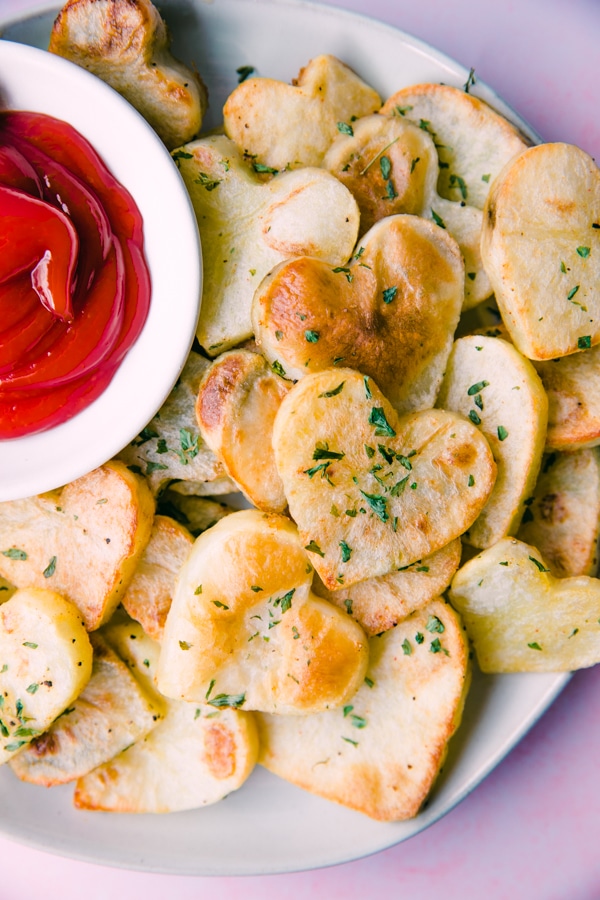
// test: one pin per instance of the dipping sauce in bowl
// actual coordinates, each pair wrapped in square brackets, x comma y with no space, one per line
[119,350]
[74,284]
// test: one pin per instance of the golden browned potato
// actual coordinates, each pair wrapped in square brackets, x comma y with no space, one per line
[473,141]
[237,402]
[521,618]
[196,755]
[285,126]
[391,167]
[83,541]
[246,631]
[249,224]
[126,44]
[371,491]
[111,712]
[148,596]
[380,754]
[378,604]
[390,312]
[573,387]
[562,516]
[46,662]
[489,381]
[541,249]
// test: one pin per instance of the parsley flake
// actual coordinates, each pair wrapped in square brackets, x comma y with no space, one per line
[389,294]
[382,426]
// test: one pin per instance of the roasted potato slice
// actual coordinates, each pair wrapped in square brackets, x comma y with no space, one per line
[372,492]
[381,753]
[541,249]
[285,126]
[573,387]
[83,541]
[246,630]
[378,604]
[126,44]
[562,517]
[391,312]
[473,141]
[523,619]
[499,390]
[248,225]
[391,167]
[148,596]
[196,514]
[46,660]
[196,755]
[112,712]
[238,399]
[170,446]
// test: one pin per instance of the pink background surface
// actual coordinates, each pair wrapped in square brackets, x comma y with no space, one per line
[530,831]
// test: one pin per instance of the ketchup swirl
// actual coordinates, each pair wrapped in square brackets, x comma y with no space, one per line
[74,283]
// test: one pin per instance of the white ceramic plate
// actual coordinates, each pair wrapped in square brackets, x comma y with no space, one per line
[42,82]
[269,826]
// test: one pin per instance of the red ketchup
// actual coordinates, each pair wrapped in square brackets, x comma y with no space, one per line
[74,284]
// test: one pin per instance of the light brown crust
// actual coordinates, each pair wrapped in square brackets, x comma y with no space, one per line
[126,44]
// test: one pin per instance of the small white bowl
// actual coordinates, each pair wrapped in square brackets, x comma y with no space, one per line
[34,80]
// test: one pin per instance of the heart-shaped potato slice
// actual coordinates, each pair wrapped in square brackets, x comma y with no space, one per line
[489,381]
[148,596]
[170,446]
[381,753]
[245,630]
[83,541]
[46,659]
[126,44]
[562,517]
[521,618]
[196,755]
[391,167]
[369,491]
[248,225]
[473,141]
[541,249]
[573,387]
[390,312]
[111,712]
[378,604]
[285,126]
[238,399]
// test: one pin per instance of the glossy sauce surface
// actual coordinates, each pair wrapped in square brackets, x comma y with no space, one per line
[74,284]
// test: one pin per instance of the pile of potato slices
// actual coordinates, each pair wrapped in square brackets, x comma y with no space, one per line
[381,452]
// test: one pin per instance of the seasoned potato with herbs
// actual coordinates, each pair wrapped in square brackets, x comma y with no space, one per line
[285,126]
[111,712]
[245,629]
[381,753]
[83,541]
[562,517]
[170,446]
[500,392]
[541,249]
[391,167]
[378,604]
[238,399]
[197,754]
[521,618]
[473,141]
[369,491]
[126,44]
[46,662]
[248,225]
[390,312]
